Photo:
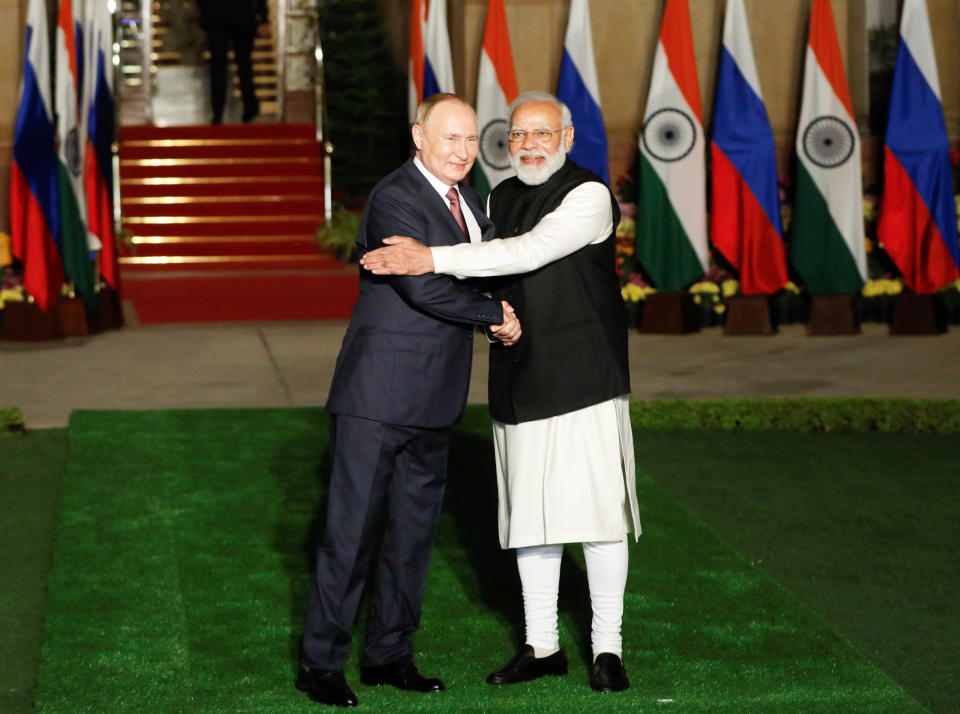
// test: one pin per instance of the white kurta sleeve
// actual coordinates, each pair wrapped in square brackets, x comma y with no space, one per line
[584,216]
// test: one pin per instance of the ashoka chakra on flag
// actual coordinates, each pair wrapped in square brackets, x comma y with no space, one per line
[493,145]
[828,142]
[669,134]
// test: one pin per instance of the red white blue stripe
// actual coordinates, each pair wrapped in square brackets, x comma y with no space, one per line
[431,65]
[918,223]
[579,90]
[34,196]
[745,216]
[98,114]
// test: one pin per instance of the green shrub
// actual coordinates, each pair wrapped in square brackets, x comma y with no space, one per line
[339,236]
[11,421]
[910,416]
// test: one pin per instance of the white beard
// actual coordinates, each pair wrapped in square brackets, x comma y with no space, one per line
[534,175]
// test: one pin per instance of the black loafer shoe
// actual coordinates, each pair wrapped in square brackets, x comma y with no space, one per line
[326,687]
[608,674]
[525,666]
[402,674]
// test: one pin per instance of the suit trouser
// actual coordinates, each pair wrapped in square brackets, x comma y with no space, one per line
[383,479]
[220,36]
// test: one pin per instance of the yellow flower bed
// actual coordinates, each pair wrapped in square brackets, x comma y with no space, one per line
[11,295]
[631,292]
[877,288]
[705,286]
[627,228]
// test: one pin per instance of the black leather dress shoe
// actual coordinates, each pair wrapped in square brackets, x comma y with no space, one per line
[608,674]
[250,113]
[402,674]
[525,666]
[326,687]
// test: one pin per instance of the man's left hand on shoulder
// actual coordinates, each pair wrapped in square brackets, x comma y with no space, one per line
[401,255]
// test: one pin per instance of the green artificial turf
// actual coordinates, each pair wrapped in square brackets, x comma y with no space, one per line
[862,527]
[31,469]
[183,552]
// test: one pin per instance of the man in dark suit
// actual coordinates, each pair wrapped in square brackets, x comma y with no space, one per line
[233,22]
[401,380]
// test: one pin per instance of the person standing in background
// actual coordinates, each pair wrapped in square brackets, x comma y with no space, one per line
[233,23]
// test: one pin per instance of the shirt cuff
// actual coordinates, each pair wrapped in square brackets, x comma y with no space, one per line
[441,258]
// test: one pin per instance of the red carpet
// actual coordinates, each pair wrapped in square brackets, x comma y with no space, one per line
[223,221]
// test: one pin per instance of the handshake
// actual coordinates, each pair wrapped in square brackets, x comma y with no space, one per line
[509,332]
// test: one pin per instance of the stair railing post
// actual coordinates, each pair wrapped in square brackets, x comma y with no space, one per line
[281,50]
[116,37]
[320,112]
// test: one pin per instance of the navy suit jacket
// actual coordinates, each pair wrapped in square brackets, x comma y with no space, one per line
[406,356]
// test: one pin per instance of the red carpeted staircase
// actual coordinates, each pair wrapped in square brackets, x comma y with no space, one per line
[223,221]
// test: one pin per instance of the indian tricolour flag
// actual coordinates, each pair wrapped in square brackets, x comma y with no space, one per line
[671,210]
[75,242]
[827,247]
[496,89]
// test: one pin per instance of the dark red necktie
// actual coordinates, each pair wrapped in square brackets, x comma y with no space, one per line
[454,199]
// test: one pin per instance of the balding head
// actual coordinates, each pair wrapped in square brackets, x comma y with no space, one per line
[445,135]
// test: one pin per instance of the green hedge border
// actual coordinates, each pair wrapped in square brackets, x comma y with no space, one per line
[909,416]
[11,422]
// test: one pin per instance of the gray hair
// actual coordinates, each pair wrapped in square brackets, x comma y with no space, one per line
[566,120]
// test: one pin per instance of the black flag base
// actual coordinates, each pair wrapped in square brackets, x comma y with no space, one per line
[670,314]
[26,322]
[73,317]
[748,315]
[832,315]
[70,317]
[916,314]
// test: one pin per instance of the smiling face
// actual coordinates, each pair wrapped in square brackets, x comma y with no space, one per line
[533,159]
[447,142]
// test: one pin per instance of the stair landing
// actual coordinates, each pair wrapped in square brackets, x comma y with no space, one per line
[219,225]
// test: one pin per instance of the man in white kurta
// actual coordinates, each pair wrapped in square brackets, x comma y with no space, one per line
[568,477]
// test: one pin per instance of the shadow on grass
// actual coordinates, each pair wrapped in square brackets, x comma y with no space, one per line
[489,573]
[467,536]
[299,527]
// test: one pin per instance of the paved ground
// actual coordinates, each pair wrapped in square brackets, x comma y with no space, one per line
[291,363]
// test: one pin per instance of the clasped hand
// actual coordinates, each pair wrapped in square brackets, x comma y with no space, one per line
[402,255]
[509,332]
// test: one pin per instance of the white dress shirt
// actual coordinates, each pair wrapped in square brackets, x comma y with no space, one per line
[584,216]
[473,228]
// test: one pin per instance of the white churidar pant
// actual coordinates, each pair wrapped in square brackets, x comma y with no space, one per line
[539,568]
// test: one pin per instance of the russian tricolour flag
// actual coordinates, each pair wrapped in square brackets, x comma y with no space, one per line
[918,223]
[496,89]
[98,117]
[579,90]
[745,222]
[34,199]
[431,67]
[672,204]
